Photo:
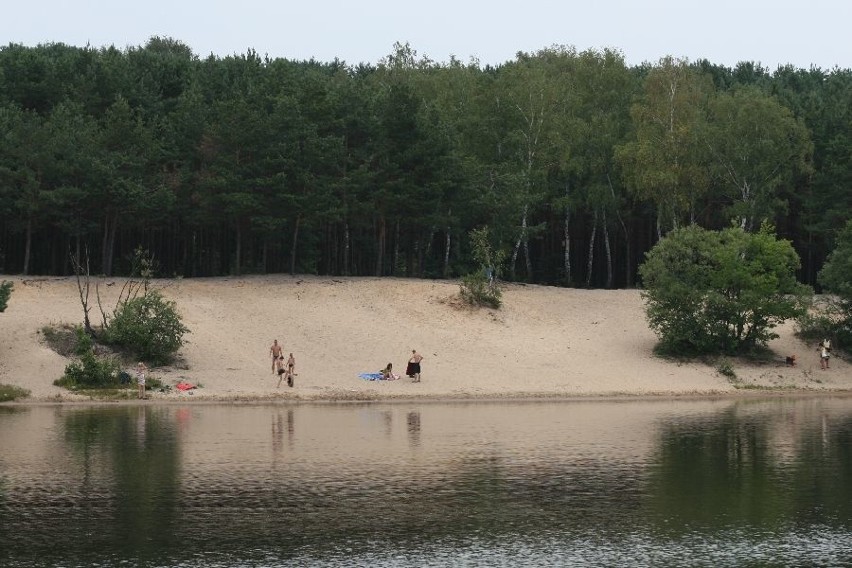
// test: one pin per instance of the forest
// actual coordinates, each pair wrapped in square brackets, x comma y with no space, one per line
[576,163]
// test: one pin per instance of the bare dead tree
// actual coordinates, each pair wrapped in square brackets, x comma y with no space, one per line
[83,284]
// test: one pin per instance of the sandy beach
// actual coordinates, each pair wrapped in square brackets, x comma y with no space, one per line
[544,342]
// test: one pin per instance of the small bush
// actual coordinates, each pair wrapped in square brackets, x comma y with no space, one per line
[5,292]
[91,371]
[480,288]
[827,320]
[477,291]
[149,327]
[10,392]
[720,292]
[61,338]
[725,368]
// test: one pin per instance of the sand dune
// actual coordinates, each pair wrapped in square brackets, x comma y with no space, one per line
[544,342]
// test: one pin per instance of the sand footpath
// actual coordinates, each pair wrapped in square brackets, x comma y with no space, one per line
[544,342]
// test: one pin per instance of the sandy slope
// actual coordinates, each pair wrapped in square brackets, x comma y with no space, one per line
[544,342]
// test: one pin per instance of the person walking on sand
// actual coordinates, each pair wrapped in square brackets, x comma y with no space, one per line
[824,354]
[141,369]
[276,352]
[279,368]
[413,368]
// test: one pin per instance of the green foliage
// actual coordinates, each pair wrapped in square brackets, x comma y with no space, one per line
[148,326]
[480,288]
[725,368]
[663,162]
[826,320]
[10,392]
[90,371]
[756,147]
[5,292]
[836,275]
[720,291]
[477,291]
[835,319]
[277,165]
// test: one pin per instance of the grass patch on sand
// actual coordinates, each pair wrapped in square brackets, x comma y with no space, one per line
[10,392]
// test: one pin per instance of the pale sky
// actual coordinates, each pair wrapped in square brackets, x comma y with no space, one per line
[770,32]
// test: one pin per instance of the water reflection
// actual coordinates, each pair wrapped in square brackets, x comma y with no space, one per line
[758,464]
[413,420]
[639,483]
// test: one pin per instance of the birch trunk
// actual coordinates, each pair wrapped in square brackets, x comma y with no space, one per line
[627,267]
[346,248]
[591,251]
[567,241]
[527,252]
[380,246]
[238,260]
[521,239]
[110,226]
[447,244]
[608,254]
[395,249]
[293,248]
[28,246]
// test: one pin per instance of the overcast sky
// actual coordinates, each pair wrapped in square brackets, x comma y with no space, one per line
[771,32]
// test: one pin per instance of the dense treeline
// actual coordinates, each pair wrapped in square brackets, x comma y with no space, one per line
[576,162]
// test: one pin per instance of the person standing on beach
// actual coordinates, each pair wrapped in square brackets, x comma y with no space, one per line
[276,352]
[824,354]
[141,368]
[291,370]
[413,368]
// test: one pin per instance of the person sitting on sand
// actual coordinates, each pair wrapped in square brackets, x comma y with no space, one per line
[387,373]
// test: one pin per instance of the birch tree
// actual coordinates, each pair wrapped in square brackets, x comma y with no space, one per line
[755,146]
[533,96]
[663,163]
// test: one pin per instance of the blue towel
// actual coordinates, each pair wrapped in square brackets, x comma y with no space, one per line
[371,376]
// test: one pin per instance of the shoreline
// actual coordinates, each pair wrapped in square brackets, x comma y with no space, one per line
[362,398]
[545,343]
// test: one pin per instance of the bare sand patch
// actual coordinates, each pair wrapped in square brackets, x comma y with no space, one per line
[545,342]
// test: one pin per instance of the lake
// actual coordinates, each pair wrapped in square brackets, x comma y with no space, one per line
[657,482]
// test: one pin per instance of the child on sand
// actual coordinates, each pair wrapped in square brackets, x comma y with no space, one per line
[824,354]
[387,373]
[141,368]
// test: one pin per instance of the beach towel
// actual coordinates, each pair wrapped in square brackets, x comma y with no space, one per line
[184,386]
[371,376]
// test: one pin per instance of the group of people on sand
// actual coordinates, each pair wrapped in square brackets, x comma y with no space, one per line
[286,371]
[412,370]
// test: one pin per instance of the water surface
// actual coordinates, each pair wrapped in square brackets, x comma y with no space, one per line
[757,482]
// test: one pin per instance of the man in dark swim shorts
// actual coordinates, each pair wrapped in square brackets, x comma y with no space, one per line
[413,368]
[276,352]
